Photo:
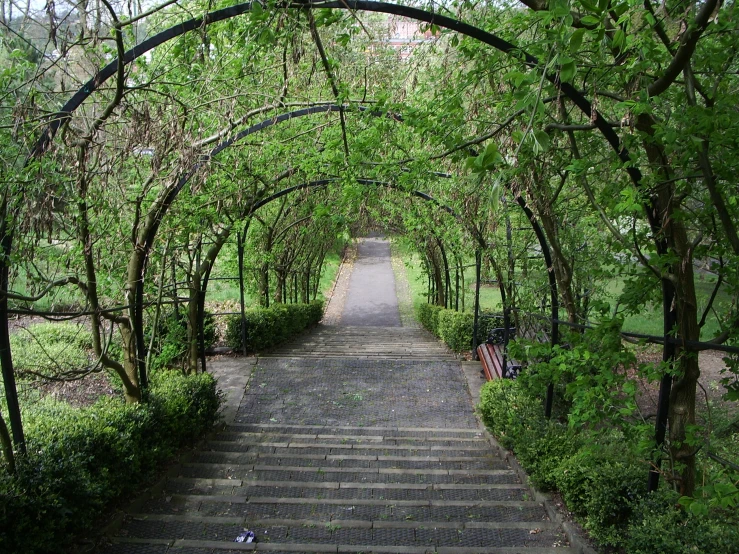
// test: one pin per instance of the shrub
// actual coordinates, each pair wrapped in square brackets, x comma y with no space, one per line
[455,329]
[172,335]
[601,484]
[428,316]
[81,459]
[658,525]
[268,327]
[507,410]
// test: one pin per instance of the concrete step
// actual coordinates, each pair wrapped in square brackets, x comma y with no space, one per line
[254,437]
[237,459]
[343,489]
[365,343]
[307,488]
[345,535]
[390,432]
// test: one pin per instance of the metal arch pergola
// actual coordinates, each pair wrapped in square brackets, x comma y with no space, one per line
[6,232]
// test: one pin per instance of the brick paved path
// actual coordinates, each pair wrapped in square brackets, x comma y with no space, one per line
[350,439]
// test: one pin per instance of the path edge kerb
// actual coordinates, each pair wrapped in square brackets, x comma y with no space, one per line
[574,536]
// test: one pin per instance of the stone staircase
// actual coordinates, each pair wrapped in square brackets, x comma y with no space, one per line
[342,489]
[398,343]
[348,440]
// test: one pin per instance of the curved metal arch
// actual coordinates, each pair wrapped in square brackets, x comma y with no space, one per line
[369,182]
[362,5]
[414,13]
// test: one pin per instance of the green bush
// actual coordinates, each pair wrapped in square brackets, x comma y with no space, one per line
[81,459]
[601,478]
[51,348]
[428,316]
[455,329]
[172,338]
[268,327]
[601,484]
[658,525]
[517,421]
[507,410]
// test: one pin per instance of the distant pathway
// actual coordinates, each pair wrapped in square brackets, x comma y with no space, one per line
[371,300]
[355,437]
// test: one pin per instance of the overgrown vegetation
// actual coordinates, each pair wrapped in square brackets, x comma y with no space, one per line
[79,461]
[593,450]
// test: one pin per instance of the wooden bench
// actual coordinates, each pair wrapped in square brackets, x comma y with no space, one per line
[491,355]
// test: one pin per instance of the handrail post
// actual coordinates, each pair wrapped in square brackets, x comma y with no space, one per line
[240,252]
[478,264]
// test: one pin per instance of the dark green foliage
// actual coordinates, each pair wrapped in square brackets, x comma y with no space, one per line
[172,338]
[601,478]
[451,326]
[601,484]
[79,460]
[658,525]
[268,327]
[428,316]
[486,323]
[517,421]
[507,411]
[455,329]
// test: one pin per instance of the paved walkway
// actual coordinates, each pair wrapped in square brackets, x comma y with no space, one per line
[372,300]
[348,440]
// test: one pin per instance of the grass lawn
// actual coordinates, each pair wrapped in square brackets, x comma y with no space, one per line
[225,292]
[648,322]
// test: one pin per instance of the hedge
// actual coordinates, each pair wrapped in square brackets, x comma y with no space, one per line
[268,327]
[451,326]
[602,480]
[80,460]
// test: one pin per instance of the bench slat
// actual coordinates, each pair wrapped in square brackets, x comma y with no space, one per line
[491,358]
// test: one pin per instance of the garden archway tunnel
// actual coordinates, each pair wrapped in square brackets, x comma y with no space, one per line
[575,96]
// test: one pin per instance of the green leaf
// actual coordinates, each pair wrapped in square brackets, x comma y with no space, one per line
[589,6]
[590,20]
[576,40]
[567,71]
[621,9]
[542,141]
[619,39]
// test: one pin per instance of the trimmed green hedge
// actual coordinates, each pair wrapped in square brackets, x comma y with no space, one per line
[81,459]
[455,329]
[267,327]
[428,316]
[602,480]
[451,326]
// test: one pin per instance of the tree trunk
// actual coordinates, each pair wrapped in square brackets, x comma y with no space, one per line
[131,392]
[193,324]
[681,414]
[7,446]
